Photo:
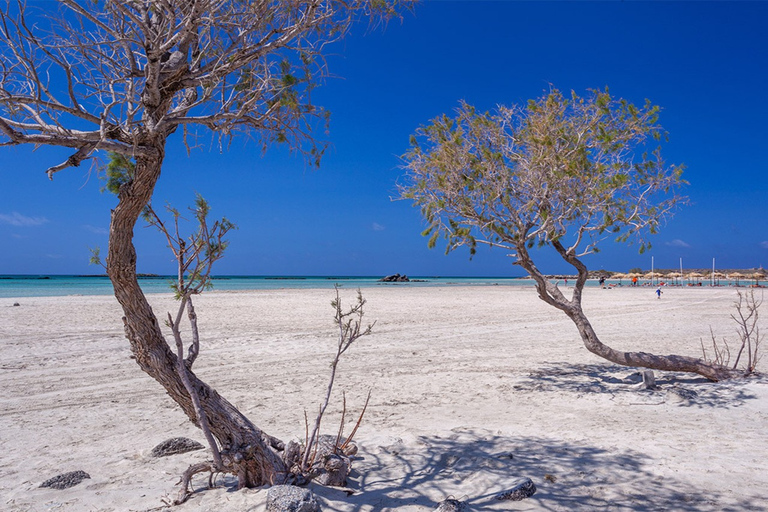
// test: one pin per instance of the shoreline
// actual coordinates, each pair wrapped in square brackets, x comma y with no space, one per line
[43,286]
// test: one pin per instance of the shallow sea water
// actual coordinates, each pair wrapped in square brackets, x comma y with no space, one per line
[61,285]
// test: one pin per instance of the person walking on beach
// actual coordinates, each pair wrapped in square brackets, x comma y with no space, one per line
[658,292]
[634,280]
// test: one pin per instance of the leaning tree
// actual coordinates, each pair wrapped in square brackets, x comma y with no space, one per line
[122,77]
[563,173]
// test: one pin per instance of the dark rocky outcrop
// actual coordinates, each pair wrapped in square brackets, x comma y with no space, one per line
[522,488]
[66,480]
[174,446]
[395,278]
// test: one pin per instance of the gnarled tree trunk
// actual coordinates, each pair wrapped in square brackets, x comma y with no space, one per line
[672,363]
[246,451]
[552,295]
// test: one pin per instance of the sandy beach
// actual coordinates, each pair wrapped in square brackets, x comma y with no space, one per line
[472,388]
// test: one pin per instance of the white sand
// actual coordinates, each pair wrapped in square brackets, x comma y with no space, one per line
[462,378]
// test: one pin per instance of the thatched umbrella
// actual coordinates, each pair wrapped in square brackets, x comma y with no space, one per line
[693,276]
[618,276]
[633,275]
[716,277]
[674,276]
[735,276]
[758,276]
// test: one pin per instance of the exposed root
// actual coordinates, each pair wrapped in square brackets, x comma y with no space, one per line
[185,492]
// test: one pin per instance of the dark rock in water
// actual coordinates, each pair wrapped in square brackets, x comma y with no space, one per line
[289,498]
[175,445]
[395,278]
[523,488]
[451,505]
[66,480]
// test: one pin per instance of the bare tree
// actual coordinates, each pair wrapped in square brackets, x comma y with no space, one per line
[564,173]
[748,331]
[123,76]
[327,458]
[350,326]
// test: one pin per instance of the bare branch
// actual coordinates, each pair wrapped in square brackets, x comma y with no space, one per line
[349,326]
[138,74]
[73,161]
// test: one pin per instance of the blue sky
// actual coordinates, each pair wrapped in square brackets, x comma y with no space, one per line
[705,63]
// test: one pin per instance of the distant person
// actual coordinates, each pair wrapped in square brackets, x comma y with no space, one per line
[602,281]
[658,292]
[634,281]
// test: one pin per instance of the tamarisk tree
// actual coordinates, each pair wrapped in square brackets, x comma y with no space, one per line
[123,76]
[559,173]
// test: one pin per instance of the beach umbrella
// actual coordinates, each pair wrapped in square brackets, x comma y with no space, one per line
[674,276]
[716,277]
[691,276]
[735,276]
[758,276]
[618,276]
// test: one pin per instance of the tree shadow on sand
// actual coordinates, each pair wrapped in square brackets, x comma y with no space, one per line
[684,389]
[474,466]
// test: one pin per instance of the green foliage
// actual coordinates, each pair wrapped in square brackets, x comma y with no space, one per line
[195,253]
[560,171]
[118,171]
[95,258]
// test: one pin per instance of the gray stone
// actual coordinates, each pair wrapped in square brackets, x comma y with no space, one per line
[66,480]
[523,488]
[680,395]
[289,498]
[175,445]
[335,470]
[451,505]
[332,465]
[649,380]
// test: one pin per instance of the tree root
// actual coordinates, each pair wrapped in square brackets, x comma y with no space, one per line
[185,492]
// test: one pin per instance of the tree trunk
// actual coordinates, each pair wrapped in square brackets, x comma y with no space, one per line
[246,451]
[552,295]
[671,363]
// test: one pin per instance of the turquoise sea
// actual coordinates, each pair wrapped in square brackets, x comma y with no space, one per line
[59,285]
